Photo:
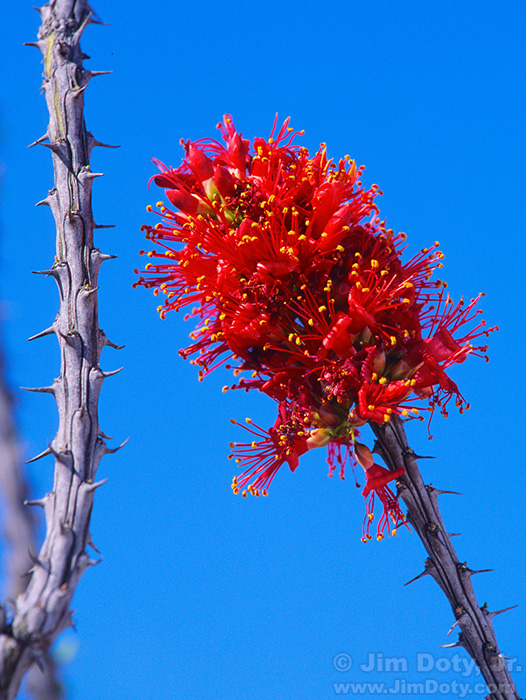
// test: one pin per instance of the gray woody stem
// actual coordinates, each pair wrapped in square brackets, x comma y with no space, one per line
[19,531]
[476,635]
[42,611]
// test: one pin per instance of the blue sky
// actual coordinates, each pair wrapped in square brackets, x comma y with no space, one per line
[202,595]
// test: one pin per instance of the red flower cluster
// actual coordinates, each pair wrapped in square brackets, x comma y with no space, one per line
[297,280]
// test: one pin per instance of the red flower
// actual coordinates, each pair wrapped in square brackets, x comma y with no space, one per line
[293,278]
[377,478]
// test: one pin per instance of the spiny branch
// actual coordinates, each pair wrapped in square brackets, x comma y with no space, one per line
[43,610]
[477,635]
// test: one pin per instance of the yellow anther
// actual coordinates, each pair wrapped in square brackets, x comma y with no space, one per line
[322,308]
[224,389]
[374,264]
[248,420]
[310,322]
[371,517]
[379,536]
[393,340]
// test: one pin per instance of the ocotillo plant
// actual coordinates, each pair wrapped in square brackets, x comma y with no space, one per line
[295,280]
[42,611]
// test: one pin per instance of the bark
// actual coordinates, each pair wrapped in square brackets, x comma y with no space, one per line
[19,528]
[43,610]
[476,635]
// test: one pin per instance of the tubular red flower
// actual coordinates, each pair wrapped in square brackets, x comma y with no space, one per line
[292,276]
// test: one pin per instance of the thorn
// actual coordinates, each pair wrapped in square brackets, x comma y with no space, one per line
[95,143]
[53,272]
[110,374]
[43,202]
[101,257]
[90,291]
[111,451]
[46,452]
[87,20]
[103,435]
[95,73]
[92,176]
[453,534]
[449,646]
[40,389]
[112,345]
[452,628]
[428,566]
[437,492]
[480,571]
[424,573]
[103,225]
[54,146]
[32,43]
[89,542]
[497,612]
[45,137]
[78,91]
[422,456]
[41,502]
[38,9]
[47,331]
[463,568]
[95,484]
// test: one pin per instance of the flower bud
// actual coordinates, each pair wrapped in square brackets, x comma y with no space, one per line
[363,455]
[188,203]
[225,181]
[199,163]
[320,437]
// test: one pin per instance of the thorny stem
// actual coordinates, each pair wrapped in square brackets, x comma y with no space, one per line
[476,635]
[19,531]
[42,611]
